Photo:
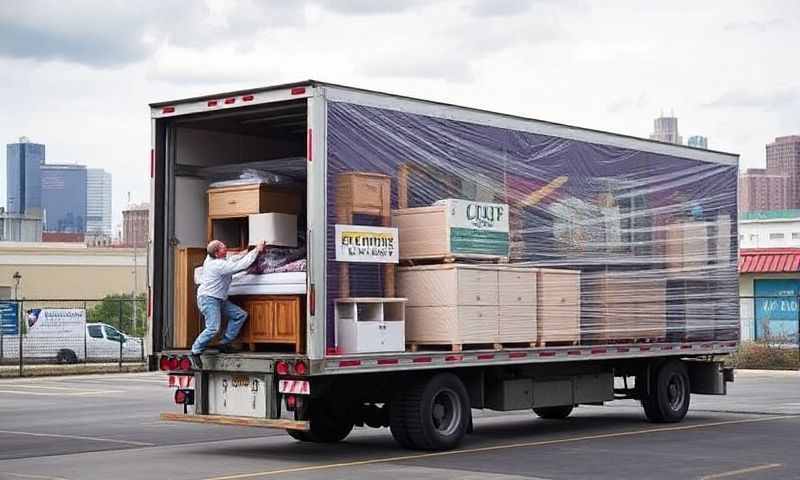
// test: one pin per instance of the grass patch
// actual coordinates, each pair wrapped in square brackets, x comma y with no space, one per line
[765,356]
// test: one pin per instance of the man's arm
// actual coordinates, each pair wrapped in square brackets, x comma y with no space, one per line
[238,264]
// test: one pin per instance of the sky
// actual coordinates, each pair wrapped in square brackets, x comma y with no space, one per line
[78,76]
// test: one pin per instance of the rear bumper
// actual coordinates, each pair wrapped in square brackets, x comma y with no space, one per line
[278,423]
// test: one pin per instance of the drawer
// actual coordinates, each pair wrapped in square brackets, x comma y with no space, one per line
[477,287]
[233,202]
[478,324]
[517,288]
[517,324]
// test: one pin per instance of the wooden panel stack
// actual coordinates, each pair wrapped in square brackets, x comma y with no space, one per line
[460,304]
[559,306]
[622,306]
[188,322]
[686,247]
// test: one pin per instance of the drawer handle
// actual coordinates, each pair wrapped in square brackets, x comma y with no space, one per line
[232,202]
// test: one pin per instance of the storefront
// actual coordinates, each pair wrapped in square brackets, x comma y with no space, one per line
[769,287]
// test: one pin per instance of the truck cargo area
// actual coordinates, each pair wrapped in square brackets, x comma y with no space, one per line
[424,259]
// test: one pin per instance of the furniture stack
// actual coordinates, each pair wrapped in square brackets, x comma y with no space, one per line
[459,305]
[238,216]
[367,324]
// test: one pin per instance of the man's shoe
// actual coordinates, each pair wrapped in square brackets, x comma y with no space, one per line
[228,348]
[197,363]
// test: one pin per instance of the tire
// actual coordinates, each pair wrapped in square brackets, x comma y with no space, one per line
[326,424]
[669,397]
[66,356]
[554,413]
[432,415]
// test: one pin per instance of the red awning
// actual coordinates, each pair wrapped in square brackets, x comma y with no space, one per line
[769,260]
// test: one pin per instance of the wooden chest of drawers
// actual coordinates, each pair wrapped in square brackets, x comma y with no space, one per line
[275,319]
[469,304]
[243,200]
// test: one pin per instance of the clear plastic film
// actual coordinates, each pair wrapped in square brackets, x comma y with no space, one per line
[507,237]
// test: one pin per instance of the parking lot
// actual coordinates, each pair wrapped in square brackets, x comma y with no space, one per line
[99,427]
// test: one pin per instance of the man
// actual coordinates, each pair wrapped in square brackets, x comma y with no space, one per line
[212,297]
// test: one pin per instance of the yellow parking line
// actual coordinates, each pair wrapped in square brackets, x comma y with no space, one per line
[742,471]
[78,437]
[539,443]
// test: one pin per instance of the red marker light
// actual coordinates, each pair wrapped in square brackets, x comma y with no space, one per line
[300,368]
[186,364]
[298,90]
[281,368]
[173,363]
[168,110]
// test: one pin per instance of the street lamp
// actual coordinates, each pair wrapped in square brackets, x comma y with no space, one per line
[17,277]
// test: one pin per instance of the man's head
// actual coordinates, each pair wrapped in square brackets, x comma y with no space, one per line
[217,249]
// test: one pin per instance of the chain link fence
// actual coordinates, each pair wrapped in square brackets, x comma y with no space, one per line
[71,331]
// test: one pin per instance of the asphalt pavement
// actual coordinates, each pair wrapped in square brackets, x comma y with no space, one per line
[106,426]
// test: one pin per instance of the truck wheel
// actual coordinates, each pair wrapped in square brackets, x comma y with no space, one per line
[554,413]
[668,400]
[327,425]
[66,356]
[432,415]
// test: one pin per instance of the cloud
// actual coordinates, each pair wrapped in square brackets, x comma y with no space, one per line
[108,33]
[499,8]
[370,7]
[757,26]
[182,66]
[780,99]
[622,104]
[431,67]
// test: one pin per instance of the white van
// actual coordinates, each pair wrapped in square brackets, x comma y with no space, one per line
[62,335]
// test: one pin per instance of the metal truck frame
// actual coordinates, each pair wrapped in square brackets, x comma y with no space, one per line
[424,397]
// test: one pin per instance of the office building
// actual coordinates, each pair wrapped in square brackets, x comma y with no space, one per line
[23,177]
[665,129]
[135,225]
[698,141]
[759,190]
[783,158]
[98,202]
[64,197]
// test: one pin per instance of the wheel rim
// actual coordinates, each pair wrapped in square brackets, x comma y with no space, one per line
[446,412]
[676,392]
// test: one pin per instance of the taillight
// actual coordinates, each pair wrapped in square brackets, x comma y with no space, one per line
[163,363]
[281,367]
[186,363]
[291,402]
[300,368]
[184,396]
[173,363]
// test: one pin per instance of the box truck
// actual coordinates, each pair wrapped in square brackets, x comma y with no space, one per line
[446,259]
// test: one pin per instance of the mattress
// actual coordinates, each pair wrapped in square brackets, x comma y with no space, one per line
[280,283]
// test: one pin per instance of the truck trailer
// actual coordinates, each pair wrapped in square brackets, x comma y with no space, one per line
[427,259]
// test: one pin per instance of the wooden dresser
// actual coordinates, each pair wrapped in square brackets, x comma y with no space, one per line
[275,319]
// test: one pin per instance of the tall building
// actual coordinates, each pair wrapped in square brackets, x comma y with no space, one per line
[98,201]
[135,225]
[759,191]
[783,158]
[64,197]
[665,129]
[23,177]
[698,141]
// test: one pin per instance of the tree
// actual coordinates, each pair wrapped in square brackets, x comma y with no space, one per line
[117,310]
